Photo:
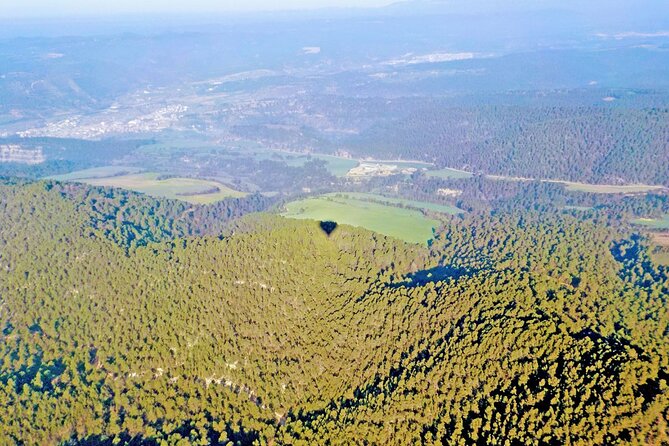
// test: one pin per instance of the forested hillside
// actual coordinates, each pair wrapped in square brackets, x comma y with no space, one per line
[511,328]
[591,144]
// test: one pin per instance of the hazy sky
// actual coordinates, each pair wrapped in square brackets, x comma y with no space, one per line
[42,8]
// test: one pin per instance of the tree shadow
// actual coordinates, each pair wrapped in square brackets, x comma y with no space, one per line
[433,275]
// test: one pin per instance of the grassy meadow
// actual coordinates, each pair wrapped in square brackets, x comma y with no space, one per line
[609,189]
[653,223]
[192,190]
[381,215]
[449,174]
[588,187]
[96,172]
[440,208]
[337,166]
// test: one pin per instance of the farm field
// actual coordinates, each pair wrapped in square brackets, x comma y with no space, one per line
[662,239]
[337,166]
[608,189]
[192,190]
[449,174]
[441,208]
[587,187]
[409,164]
[96,172]
[405,224]
[654,223]
[660,254]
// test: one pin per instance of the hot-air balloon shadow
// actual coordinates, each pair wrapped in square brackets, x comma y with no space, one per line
[328,227]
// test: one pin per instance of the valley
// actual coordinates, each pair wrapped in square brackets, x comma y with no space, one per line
[422,223]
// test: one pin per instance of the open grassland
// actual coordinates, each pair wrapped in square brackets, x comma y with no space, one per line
[440,208]
[408,164]
[660,255]
[337,166]
[661,239]
[449,174]
[588,187]
[654,223]
[96,172]
[609,189]
[191,190]
[659,235]
[405,224]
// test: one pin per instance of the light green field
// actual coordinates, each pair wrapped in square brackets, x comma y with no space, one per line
[608,189]
[336,166]
[655,223]
[191,190]
[449,174]
[96,172]
[587,187]
[405,224]
[441,208]
[401,164]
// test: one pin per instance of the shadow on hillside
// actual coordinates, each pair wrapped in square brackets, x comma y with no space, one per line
[124,439]
[433,275]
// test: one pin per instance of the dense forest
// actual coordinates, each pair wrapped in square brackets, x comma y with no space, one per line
[134,320]
[610,145]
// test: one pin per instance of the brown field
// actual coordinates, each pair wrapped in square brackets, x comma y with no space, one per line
[661,239]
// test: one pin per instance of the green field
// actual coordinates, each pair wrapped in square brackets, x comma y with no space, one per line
[588,187]
[192,190]
[402,164]
[449,174]
[96,172]
[405,224]
[441,208]
[336,166]
[654,223]
[608,189]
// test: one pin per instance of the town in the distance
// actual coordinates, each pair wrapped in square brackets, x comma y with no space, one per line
[427,222]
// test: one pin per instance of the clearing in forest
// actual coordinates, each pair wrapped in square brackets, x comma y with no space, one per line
[192,190]
[96,172]
[588,187]
[609,188]
[449,174]
[654,223]
[374,212]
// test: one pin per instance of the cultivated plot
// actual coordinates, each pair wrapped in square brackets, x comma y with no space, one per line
[192,190]
[654,223]
[449,174]
[373,212]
